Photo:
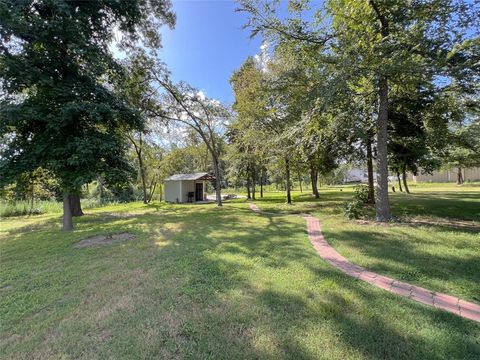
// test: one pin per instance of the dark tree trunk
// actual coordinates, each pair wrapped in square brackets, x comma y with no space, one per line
[404,178]
[142,175]
[253,182]
[67,214]
[371,186]
[249,196]
[300,182]
[218,182]
[75,205]
[460,179]
[262,176]
[287,172]
[399,182]
[382,202]
[314,180]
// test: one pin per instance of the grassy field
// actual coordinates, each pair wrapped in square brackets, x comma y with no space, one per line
[200,282]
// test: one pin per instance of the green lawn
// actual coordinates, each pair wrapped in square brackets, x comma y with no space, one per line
[201,282]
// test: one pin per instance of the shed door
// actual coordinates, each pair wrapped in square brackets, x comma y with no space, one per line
[198,191]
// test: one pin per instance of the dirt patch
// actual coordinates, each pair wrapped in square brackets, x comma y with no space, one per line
[99,240]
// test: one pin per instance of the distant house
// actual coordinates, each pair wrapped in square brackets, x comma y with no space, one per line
[356,175]
[182,188]
[450,175]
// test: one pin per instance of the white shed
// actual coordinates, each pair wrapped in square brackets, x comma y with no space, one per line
[182,188]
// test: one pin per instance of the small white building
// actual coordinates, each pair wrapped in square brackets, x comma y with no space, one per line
[182,188]
[357,175]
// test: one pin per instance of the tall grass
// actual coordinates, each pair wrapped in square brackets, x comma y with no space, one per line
[22,208]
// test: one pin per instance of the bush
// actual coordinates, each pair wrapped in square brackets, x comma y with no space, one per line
[353,209]
[361,194]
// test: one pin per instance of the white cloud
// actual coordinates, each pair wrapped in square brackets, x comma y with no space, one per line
[263,58]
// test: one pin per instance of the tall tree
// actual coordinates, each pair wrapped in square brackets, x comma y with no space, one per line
[390,42]
[183,105]
[59,112]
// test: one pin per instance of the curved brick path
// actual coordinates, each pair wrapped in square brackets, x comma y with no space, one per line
[442,301]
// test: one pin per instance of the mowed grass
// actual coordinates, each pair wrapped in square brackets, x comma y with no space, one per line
[435,243]
[201,282]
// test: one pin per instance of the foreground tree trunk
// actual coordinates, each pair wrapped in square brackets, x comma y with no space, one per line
[382,202]
[404,178]
[218,190]
[371,186]
[287,173]
[67,214]
[314,179]
[460,179]
[399,182]
[75,205]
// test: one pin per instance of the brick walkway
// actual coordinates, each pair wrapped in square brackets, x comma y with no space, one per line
[442,301]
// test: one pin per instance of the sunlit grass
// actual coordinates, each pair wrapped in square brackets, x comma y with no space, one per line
[205,282]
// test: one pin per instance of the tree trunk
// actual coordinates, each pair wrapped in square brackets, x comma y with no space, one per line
[459,176]
[404,178]
[67,214]
[75,205]
[399,182]
[314,179]
[300,182]
[152,191]
[287,173]
[262,175]
[249,196]
[253,183]
[100,189]
[218,190]
[371,185]
[138,150]
[382,202]
[142,174]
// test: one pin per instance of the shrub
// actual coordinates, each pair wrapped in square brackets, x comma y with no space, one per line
[361,194]
[353,209]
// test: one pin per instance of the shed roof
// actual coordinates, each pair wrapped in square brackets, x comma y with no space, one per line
[194,176]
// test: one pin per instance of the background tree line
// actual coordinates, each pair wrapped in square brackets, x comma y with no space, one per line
[391,86]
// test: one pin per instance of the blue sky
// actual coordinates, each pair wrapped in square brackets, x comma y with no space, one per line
[207,45]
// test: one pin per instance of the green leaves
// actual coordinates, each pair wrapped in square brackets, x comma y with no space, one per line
[61,113]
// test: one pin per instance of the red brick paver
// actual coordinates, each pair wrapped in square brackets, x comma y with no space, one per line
[442,301]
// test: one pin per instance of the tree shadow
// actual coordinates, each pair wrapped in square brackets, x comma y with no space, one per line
[397,257]
[228,284]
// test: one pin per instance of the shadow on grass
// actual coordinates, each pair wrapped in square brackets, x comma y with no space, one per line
[228,284]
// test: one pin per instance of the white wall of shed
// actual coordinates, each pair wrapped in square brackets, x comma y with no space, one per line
[172,191]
